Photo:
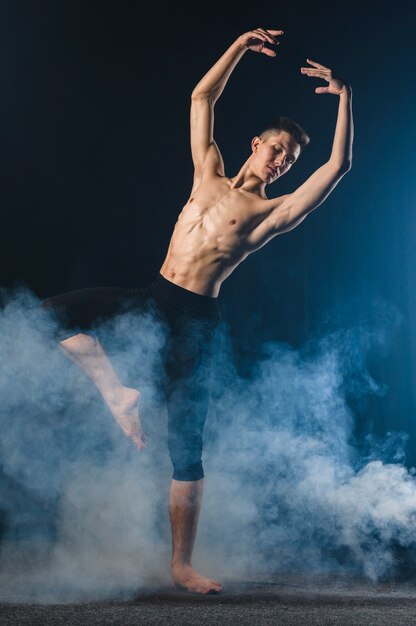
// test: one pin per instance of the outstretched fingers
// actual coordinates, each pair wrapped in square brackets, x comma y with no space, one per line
[315,64]
[317,71]
[325,74]
[336,85]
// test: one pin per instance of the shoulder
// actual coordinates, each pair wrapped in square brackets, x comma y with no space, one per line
[208,179]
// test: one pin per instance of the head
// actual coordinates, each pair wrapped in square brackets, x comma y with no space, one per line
[277,148]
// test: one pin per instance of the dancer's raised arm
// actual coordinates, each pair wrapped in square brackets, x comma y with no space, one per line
[205,153]
[322,182]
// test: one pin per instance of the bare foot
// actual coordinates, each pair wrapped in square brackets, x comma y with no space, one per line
[185,577]
[125,408]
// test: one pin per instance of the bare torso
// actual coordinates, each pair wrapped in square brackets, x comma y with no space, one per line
[215,231]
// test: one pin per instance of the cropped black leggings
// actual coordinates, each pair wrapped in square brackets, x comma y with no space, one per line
[191,320]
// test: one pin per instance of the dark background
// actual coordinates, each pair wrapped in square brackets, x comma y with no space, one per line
[95,163]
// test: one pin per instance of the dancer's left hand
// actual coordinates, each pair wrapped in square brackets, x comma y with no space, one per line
[336,85]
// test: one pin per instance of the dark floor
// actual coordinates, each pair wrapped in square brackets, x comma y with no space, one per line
[292,599]
[36,589]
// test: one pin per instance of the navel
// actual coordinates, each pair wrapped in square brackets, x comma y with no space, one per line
[192,199]
[232,222]
[172,275]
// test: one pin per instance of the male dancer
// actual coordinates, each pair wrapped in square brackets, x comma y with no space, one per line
[224,220]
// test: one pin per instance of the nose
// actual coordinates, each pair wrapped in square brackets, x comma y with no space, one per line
[280,160]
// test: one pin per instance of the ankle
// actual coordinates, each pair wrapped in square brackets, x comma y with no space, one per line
[116,395]
[180,563]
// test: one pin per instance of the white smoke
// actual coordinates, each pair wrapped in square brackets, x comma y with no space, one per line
[286,488]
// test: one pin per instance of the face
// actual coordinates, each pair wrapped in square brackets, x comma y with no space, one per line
[273,156]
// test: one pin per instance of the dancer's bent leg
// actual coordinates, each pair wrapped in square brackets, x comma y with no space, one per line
[80,310]
[88,354]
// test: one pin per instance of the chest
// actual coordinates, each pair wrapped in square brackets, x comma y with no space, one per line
[222,207]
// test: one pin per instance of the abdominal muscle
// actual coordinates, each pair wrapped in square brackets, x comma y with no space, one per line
[208,241]
[199,259]
[209,238]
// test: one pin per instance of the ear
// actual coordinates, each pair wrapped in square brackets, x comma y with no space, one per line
[255,142]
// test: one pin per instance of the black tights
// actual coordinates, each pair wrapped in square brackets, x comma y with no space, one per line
[190,320]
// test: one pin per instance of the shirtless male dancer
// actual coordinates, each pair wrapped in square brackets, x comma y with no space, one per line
[224,220]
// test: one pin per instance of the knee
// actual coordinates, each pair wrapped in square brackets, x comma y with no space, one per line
[188,473]
[79,344]
[46,304]
[185,451]
[52,320]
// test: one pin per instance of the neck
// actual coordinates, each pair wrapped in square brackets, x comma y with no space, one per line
[249,181]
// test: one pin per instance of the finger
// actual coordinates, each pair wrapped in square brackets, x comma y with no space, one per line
[316,74]
[315,71]
[315,64]
[275,32]
[269,36]
[259,35]
[268,52]
[322,90]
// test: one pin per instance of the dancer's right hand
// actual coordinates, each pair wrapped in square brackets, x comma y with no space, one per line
[256,39]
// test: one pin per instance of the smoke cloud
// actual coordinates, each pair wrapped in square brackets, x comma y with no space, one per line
[288,487]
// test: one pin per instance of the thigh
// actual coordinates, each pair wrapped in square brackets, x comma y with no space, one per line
[188,359]
[79,310]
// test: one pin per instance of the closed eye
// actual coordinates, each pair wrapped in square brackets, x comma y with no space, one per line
[289,160]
